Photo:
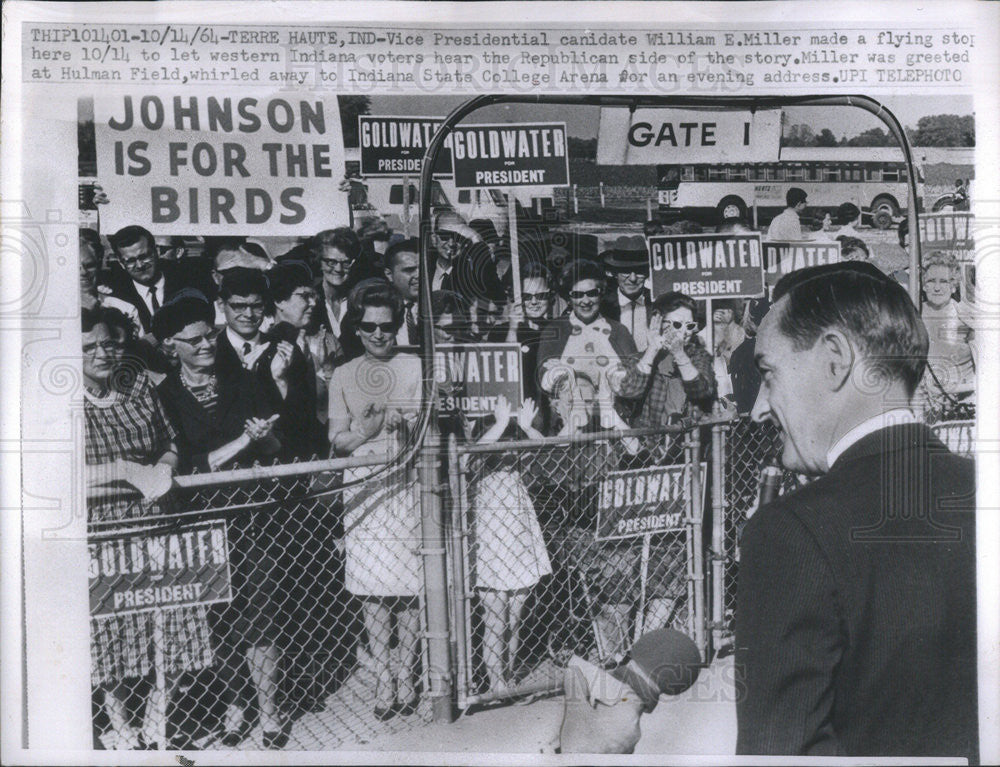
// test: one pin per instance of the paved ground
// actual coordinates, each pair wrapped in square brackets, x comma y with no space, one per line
[701,721]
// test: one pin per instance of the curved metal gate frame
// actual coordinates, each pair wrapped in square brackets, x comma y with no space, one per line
[439,635]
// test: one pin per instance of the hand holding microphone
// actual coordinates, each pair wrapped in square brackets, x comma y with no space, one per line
[602,708]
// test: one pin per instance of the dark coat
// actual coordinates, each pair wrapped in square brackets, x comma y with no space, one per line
[610,307]
[856,611]
[239,398]
[189,273]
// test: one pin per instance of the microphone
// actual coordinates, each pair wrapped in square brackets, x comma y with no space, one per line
[770,485]
[662,661]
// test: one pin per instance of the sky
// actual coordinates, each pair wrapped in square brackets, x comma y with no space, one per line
[583,121]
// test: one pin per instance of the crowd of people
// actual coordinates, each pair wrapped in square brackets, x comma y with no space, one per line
[230,356]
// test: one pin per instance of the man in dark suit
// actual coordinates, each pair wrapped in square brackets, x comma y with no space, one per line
[856,611]
[140,282]
[629,303]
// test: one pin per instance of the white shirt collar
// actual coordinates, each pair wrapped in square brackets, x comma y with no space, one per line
[895,417]
[143,290]
[623,300]
[237,341]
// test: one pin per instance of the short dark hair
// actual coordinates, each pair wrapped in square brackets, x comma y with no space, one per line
[186,307]
[485,229]
[410,245]
[578,270]
[374,292]
[449,302]
[851,244]
[535,270]
[794,196]
[105,315]
[91,239]
[666,303]
[288,276]
[129,236]
[343,238]
[241,281]
[847,212]
[861,301]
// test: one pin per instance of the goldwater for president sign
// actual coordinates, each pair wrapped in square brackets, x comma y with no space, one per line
[395,146]
[148,572]
[472,377]
[510,154]
[220,165]
[780,258]
[707,265]
[644,501]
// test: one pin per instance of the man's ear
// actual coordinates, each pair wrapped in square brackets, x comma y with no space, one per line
[388,273]
[838,358]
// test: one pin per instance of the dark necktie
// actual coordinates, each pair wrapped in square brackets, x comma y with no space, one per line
[153,300]
[633,304]
[246,350]
[411,327]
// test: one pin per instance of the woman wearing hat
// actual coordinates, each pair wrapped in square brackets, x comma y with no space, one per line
[586,342]
[227,421]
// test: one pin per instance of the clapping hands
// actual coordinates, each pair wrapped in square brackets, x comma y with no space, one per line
[258,429]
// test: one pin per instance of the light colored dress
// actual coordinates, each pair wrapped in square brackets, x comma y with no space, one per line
[382,517]
[509,550]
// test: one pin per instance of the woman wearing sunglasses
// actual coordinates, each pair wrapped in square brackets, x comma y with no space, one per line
[674,376]
[226,420]
[374,402]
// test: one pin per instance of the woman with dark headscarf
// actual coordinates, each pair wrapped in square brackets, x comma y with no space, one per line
[226,421]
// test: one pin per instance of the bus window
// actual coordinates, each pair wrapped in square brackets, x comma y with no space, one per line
[874,173]
[717,173]
[670,178]
[438,197]
[701,173]
[831,173]
[890,172]
[739,173]
[396,194]
[794,172]
[687,173]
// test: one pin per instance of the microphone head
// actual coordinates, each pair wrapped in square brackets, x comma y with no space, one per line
[669,659]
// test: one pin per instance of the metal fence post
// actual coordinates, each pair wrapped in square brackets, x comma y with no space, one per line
[435,576]
[718,537]
[457,480]
[697,510]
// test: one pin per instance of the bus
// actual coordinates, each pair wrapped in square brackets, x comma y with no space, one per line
[873,178]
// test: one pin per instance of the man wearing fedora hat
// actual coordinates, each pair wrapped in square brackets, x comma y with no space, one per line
[628,261]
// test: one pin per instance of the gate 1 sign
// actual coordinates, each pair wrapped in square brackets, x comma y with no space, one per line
[780,258]
[155,572]
[472,377]
[643,501]
[510,154]
[707,265]
[395,146]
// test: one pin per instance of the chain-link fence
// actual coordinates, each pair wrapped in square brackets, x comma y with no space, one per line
[563,548]
[284,607]
[261,609]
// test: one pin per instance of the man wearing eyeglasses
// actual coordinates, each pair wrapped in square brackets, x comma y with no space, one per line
[628,261]
[243,294]
[140,282]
